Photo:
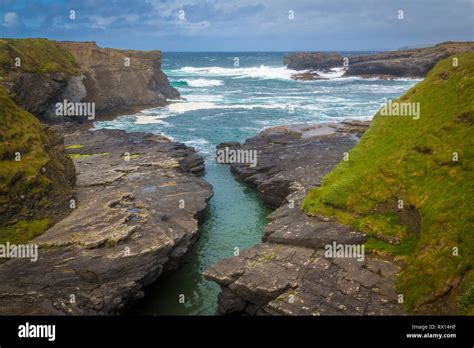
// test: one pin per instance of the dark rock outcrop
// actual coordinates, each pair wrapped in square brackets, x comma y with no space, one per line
[289,273]
[38,93]
[312,60]
[136,216]
[308,76]
[413,63]
[36,73]
[294,155]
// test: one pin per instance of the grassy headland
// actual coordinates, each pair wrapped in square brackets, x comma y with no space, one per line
[36,56]
[409,184]
[35,176]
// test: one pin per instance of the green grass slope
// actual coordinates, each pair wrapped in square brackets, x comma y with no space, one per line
[34,191]
[400,158]
[36,56]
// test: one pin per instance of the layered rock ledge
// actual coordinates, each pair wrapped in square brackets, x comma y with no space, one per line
[50,72]
[119,81]
[413,63]
[289,274]
[136,214]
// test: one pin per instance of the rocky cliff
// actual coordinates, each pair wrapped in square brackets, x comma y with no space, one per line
[139,204]
[42,73]
[408,185]
[36,72]
[312,60]
[36,176]
[404,192]
[289,274]
[392,64]
[138,201]
[120,81]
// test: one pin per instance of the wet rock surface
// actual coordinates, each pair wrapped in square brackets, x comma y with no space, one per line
[291,158]
[308,76]
[289,273]
[136,214]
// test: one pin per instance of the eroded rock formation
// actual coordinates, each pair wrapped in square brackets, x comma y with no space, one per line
[137,212]
[41,73]
[120,81]
[414,63]
[289,273]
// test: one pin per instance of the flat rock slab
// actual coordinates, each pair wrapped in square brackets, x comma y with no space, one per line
[290,273]
[290,157]
[279,279]
[136,215]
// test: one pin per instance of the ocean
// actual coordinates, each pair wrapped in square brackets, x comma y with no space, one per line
[232,96]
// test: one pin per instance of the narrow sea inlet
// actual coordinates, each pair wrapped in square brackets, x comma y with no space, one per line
[224,102]
[236,219]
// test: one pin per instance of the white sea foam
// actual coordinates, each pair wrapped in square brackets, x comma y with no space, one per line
[408,79]
[204,97]
[190,106]
[267,72]
[142,119]
[201,144]
[202,82]
[181,107]
[262,72]
[150,112]
[333,73]
[317,104]
[195,142]
[329,99]
[377,88]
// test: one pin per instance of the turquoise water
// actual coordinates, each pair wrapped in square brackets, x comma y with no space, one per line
[224,102]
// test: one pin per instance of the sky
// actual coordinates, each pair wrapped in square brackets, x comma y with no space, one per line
[243,25]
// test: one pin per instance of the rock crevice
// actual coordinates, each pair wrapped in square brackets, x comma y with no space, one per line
[289,273]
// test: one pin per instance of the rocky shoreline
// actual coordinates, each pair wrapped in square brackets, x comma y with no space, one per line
[414,63]
[115,81]
[135,215]
[288,274]
[120,81]
[122,212]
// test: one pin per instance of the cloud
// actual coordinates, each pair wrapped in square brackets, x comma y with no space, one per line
[242,24]
[99,22]
[10,19]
